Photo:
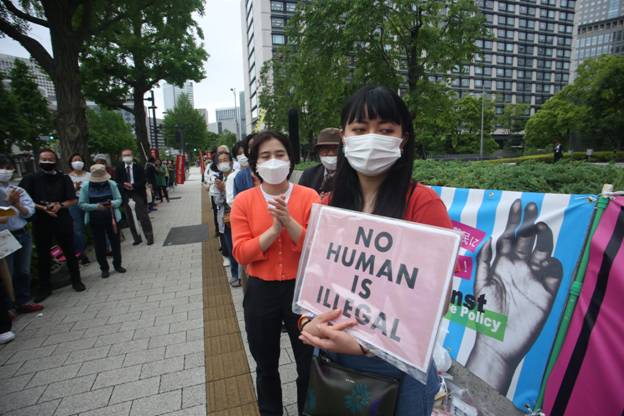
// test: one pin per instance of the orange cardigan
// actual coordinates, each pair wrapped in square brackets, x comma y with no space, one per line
[250,217]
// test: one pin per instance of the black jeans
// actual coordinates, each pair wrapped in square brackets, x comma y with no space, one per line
[100,231]
[266,305]
[61,231]
[5,320]
[162,190]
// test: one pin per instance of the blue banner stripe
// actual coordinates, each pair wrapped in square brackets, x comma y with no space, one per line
[452,343]
[577,216]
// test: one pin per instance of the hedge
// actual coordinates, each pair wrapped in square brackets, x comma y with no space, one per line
[600,156]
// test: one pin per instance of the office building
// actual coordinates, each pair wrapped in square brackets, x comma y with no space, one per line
[204,113]
[227,119]
[598,30]
[263,23]
[171,94]
[40,76]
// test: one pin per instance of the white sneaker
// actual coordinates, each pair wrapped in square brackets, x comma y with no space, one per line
[7,337]
[226,262]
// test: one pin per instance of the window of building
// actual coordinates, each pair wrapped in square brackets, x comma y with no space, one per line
[277,22]
[279,39]
[291,7]
[526,23]
[527,10]
[277,6]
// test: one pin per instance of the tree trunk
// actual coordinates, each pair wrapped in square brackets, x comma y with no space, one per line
[140,127]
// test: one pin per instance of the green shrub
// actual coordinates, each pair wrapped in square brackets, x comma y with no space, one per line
[530,176]
[600,156]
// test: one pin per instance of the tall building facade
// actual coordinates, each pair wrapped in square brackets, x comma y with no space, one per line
[41,77]
[263,23]
[526,59]
[171,93]
[598,30]
[230,119]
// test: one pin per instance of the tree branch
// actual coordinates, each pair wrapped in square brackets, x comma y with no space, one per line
[36,50]
[23,15]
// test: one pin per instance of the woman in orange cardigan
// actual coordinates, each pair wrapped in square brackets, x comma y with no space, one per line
[268,228]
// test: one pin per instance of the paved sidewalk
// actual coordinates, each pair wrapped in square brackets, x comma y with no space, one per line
[132,344]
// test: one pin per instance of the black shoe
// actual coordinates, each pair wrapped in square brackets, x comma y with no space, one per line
[78,286]
[42,295]
[105,274]
[150,242]
[137,242]
[120,269]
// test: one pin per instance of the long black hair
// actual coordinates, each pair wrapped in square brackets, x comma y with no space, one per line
[376,102]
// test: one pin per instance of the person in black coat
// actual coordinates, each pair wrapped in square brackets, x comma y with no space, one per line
[150,178]
[320,177]
[130,177]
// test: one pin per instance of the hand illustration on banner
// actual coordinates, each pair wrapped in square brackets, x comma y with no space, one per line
[520,283]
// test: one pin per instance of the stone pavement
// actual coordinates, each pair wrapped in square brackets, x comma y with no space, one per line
[131,344]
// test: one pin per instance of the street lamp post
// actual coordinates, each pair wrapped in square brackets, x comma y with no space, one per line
[482,111]
[153,108]
[236,117]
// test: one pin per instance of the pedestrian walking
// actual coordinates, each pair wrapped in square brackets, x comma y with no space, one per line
[374,176]
[53,193]
[268,226]
[18,262]
[161,180]
[78,177]
[321,177]
[130,178]
[100,199]
[558,151]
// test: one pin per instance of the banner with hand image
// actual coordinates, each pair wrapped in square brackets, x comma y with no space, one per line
[517,260]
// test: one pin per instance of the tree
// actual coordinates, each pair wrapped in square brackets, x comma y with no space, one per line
[466,119]
[514,117]
[185,125]
[10,118]
[31,106]
[72,23]
[336,46]
[154,41]
[554,122]
[108,132]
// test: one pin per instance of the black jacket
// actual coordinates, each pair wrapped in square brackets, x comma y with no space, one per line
[139,177]
[313,178]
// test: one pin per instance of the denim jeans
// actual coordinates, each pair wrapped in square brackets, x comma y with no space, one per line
[19,267]
[80,239]
[415,398]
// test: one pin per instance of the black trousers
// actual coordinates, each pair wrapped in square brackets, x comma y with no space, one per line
[215,209]
[140,201]
[162,190]
[5,320]
[45,232]
[100,232]
[266,305]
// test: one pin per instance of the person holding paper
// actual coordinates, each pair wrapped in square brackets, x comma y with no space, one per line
[53,193]
[268,226]
[374,175]
[22,207]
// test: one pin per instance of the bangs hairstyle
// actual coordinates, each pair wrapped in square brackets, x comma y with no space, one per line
[264,137]
[369,103]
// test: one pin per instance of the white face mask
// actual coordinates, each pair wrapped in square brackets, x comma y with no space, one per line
[243,160]
[78,165]
[274,171]
[329,162]
[224,167]
[6,175]
[372,154]
[127,159]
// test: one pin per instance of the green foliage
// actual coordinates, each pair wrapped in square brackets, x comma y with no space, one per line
[602,156]
[591,108]
[24,114]
[562,177]
[336,46]
[187,124]
[154,41]
[514,117]
[108,133]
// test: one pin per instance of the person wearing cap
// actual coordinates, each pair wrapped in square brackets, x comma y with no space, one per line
[320,177]
[101,159]
[100,199]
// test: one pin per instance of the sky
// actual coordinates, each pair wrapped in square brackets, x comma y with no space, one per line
[221,25]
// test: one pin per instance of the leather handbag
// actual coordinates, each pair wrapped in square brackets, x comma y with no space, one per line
[336,390]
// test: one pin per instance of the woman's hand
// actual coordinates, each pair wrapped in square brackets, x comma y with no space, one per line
[318,333]
[279,209]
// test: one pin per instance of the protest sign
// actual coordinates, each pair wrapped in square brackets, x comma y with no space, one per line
[518,255]
[8,244]
[391,276]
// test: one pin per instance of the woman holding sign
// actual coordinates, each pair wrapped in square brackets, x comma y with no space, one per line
[374,176]
[268,228]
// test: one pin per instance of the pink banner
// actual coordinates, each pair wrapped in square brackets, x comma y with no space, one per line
[471,237]
[589,374]
[391,276]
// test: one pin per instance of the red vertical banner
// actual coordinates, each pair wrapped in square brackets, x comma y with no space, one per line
[180,171]
[202,163]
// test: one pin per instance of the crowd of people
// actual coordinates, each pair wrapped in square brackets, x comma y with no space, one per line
[261,218]
[65,208]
